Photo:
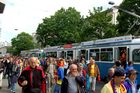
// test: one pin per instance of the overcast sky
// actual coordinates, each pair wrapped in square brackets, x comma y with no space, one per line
[25,15]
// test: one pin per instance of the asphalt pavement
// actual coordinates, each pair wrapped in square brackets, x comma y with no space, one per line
[5,89]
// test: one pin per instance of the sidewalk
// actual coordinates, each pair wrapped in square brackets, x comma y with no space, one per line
[4,89]
[99,85]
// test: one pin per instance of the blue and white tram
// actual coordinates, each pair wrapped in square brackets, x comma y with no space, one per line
[107,51]
[104,51]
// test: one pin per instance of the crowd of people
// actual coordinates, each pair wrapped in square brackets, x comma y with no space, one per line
[57,75]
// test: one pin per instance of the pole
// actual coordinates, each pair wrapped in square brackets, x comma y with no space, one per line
[133,14]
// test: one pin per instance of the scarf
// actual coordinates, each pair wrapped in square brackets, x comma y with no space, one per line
[122,88]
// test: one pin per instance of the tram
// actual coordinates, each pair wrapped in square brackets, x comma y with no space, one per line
[33,53]
[104,51]
[107,51]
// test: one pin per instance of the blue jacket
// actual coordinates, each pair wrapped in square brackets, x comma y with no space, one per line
[128,85]
[60,72]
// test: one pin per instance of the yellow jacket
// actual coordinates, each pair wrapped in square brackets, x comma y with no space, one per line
[96,69]
[108,88]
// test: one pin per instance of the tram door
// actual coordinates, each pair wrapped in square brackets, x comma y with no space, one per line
[122,54]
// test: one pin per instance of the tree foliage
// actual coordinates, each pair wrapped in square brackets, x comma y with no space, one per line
[23,41]
[61,28]
[67,26]
[129,24]
[98,25]
[10,50]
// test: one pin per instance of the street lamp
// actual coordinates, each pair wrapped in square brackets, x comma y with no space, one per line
[16,29]
[2,6]
[128,12]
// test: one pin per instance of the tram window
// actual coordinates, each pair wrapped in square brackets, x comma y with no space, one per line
[107,55]
[96,50]
[95,54]
[53,54]
[69,54]
[109,49]
[50,54]
[103,49]
[136,55]
[83,54]
[91,50]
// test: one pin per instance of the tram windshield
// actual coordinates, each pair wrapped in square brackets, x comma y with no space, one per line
[136,55]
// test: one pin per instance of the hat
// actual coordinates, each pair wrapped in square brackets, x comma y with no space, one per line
[119,71]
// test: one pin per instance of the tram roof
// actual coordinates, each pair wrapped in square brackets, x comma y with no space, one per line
[109,40]
[137,40]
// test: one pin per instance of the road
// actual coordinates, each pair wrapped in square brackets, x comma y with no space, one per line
[18,90]
[6,90]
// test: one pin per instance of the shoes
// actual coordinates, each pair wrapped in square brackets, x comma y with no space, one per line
[12,91]
[93,91]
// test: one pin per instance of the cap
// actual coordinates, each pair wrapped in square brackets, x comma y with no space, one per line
[119,71]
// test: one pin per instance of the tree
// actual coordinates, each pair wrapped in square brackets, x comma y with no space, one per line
[10,50]
[23,41]
[129,24]
[61,28]
[98,25]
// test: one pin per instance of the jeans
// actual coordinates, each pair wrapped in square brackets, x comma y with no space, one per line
[9,81]
[92,81]
[13,87]
[57,88]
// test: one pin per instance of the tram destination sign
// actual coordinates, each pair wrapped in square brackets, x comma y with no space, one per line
[114,40]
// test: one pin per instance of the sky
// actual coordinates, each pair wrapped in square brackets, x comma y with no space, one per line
[25,15]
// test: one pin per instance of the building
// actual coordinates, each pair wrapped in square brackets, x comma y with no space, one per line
[3,51]
[34,37]
[114,16]
[3,48]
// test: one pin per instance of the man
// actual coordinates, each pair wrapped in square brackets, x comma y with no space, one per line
[109,75]
[60,76]
[70,84]
[93,72]
[130,82]
[116,84]
[82,72]
[14,76]
[9,70]
[32,78]
[123,58]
